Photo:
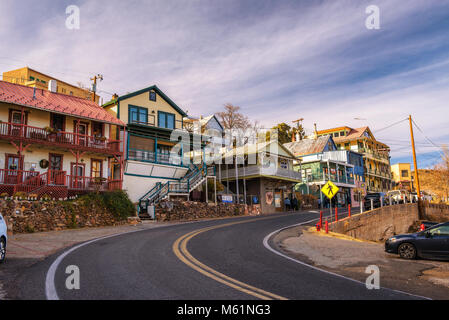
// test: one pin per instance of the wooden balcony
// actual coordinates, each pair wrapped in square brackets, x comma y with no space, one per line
[66,140]
[52,182]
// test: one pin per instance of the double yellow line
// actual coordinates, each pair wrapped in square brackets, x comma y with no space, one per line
[180,250]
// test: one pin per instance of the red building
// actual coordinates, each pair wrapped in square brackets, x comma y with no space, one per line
[57,145]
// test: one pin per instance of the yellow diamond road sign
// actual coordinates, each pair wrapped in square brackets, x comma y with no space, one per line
[329,189]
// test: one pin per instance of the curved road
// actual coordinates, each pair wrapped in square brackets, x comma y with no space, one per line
[219,259]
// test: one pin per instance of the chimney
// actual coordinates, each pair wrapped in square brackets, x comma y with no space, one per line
[315,131]
[293,136]
[52,85]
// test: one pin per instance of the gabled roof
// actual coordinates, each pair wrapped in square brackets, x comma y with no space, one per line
[148,89]
[353,134]
[54,102]
[253,149]
[308,146]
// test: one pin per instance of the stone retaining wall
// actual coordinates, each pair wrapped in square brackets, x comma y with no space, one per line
[24,216]
[434,212]
[177,210]
[379,224]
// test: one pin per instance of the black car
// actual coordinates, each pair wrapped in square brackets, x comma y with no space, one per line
[431,243]
[375,196]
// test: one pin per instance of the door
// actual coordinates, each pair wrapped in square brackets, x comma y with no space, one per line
[77,176]
[437,244]
[57,122]
[82,131]
[56,175]
[12,166]
[16,120]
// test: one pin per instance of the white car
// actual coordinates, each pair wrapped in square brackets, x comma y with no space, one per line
[3,238]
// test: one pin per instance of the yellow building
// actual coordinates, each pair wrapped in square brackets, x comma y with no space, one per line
[402,176]
[376,155]
[35,79]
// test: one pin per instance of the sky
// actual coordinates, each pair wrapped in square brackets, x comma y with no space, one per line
[278,60]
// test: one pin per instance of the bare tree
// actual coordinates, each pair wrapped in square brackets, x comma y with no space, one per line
[231,118]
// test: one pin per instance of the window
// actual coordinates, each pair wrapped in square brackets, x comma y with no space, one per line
[283,163]
[166,120]
[404,173]
[152,96]
[342,134]
[57,122]
[31,78]
[440,231]
[336,134]
[97,129]
[96,168]
[138,114]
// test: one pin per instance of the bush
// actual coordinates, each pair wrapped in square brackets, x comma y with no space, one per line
[117,202]
[20,195]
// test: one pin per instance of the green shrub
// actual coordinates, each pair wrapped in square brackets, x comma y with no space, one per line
[116,202]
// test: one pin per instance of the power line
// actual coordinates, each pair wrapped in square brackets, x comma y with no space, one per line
[428,139]
[391,125]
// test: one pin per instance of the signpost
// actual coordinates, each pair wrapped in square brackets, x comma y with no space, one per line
[330,190]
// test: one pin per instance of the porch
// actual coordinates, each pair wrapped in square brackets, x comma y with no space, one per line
[21,133]
[55,184]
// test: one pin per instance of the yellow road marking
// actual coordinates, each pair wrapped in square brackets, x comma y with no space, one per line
[180,250]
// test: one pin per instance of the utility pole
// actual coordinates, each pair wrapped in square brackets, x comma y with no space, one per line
[94,86]
[298,121]
[415,165]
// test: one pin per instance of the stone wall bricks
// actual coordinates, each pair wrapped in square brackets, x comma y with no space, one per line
[23,216]
[178,210]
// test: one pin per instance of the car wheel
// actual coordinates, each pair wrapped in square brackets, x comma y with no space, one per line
[407,251]
[2,250]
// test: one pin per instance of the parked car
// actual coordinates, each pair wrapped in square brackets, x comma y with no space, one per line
[376,197]
[398,196]
[3,238]
[432,243]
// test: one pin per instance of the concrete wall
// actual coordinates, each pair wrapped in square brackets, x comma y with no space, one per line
[379,224]
[434,212]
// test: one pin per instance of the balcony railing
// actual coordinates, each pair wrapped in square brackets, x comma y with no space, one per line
[258,170]
[31,134]
[378,173]
[151,121]
[30,181]
[154,157]
[324,177]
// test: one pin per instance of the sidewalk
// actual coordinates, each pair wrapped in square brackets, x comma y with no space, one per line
[350,257]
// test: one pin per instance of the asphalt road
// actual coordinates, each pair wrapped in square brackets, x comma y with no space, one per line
[227,260]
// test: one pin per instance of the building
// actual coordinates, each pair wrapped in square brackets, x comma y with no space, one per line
[35,79]
[157,164]
[402,176]
[376,155]
[260,174]
[56,145]
[319,162]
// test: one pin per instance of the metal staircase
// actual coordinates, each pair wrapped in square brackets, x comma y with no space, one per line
[193,179]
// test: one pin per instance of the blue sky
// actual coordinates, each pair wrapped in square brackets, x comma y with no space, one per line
[278,60]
